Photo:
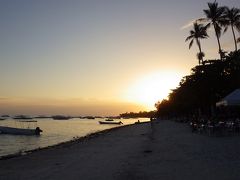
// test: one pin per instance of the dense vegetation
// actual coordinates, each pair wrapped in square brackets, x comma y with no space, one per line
[211,80]
[206,85]
[141,114]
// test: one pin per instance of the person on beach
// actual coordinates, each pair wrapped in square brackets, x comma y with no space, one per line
[152,128]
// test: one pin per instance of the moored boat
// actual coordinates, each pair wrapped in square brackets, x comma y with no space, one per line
[22,117]
[23,127]
[42,117]
[110,122]
[20,131]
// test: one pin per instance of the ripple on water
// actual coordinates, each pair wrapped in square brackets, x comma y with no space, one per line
[54,132]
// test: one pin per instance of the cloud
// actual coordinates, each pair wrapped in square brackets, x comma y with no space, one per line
[190,23]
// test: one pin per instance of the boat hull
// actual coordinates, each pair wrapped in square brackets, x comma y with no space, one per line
[110,122]
[18,131]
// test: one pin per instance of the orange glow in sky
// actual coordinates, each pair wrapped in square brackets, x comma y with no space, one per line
[153,87]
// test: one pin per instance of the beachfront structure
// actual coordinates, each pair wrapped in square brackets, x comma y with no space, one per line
[232,99]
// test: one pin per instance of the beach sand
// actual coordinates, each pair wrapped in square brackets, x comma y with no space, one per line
[147,151]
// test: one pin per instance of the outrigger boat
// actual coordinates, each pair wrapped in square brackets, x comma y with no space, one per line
[22,117]
[20,131]
[110,122]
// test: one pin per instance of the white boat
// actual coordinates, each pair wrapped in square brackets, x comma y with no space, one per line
[21,131]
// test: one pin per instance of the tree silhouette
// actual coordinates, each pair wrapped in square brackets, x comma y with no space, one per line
[232,17]
[198,32]
[214,15]
[199,91]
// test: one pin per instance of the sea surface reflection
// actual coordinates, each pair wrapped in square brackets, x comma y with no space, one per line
[54,132]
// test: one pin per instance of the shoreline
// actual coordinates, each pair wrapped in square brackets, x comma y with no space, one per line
[159,150]
[66,143]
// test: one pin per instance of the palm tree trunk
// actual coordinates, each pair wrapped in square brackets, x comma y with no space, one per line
[234,36]
[200,50]
[219,45]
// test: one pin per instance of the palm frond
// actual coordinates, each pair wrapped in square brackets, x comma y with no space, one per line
[238,40]
[191,43]
[238,26]
[207,13]
[225,29]
[208,26]
[220,11]
[192,32]
[189,37]
[202,20]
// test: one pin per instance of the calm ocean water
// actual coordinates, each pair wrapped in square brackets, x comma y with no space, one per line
[54,132]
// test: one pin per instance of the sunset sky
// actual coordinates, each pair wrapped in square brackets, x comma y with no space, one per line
[96,57]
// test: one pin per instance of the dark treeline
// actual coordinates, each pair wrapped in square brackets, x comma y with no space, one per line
[207,84]
[141,114]
[211,80]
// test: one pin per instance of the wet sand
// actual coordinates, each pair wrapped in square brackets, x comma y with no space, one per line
[148,151]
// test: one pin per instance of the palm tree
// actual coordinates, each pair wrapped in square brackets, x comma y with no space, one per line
[232,19]
[214,15]
[200,56]
[199,32]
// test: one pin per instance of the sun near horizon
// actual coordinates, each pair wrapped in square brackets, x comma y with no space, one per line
[153,87]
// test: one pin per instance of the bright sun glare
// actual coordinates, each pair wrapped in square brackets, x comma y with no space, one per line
[152,88]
